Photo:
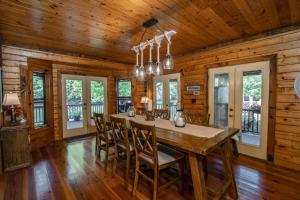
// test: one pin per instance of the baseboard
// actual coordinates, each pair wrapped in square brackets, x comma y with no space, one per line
[79,137]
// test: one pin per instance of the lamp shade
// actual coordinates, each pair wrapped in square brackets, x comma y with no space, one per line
[11,99]
[144,100]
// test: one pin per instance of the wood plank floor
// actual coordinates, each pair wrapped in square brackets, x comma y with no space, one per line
[69,171]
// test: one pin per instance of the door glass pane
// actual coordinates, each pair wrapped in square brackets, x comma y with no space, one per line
[173,97]
[39,99]
[221,100]
[124,95]
[74,103]
[251,113]
[97,97]
[159,94]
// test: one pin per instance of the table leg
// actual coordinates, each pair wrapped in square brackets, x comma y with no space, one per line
[198,175]
[227,159]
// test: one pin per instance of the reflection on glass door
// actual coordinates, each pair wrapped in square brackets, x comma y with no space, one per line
[39,99]
[167,92]
[74,103]
[124,99]
[81,96]
[251,107]
[240,100]
[221,99]
[97,97]
[173,96]
[159,94]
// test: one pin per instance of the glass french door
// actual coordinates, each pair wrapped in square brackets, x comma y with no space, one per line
[81,96]
[238,97]
[167,92]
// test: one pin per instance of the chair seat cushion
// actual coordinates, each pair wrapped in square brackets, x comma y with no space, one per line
[110,135]
[122,146]
[165,155]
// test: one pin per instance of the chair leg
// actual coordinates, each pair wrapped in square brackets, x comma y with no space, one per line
[127,169]
[98,152]
[106,156]
[155,184]
[115,162]
[136,180]
[181,174]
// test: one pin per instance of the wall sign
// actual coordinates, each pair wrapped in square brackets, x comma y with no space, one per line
[297,85]
[192,88]
[195,89]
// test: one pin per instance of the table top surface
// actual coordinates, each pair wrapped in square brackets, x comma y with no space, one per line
[191,142]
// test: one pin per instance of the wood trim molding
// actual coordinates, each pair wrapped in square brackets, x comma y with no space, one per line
[44,135]
[84,72]
[64,58]
[272,94]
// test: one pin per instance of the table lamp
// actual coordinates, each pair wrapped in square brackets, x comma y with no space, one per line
[144,100]
[11,99]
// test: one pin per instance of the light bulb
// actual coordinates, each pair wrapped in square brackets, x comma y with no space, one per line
[142,73]
[168,62]
[158,69]
[149,68]
[136,70]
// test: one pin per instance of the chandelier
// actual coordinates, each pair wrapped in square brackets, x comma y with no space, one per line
[152,68]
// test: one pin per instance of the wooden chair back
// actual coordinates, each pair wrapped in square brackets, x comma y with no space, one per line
[161,113]
[101,126]
[198,118]
[144,140]
[119,130]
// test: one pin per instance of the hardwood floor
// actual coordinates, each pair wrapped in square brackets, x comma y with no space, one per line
[69,171]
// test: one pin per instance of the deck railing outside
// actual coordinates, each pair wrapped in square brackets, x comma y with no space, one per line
[75,110]
[251,121]
[39,112]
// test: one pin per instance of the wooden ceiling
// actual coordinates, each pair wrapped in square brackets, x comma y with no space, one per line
[109,28]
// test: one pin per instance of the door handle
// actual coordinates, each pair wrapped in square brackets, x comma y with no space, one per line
[230,109]
[230,115]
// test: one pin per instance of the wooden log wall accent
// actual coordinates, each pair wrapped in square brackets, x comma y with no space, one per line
[15,62]
[286,47]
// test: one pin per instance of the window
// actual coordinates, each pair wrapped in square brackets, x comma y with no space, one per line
[39,99]
[124,99]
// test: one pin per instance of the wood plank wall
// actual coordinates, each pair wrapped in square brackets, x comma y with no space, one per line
[15,61]
[287,48]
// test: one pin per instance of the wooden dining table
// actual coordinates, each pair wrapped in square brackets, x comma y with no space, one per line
[197,146]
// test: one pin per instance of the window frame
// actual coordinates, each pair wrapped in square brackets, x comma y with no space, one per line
[125,98]
[44,99]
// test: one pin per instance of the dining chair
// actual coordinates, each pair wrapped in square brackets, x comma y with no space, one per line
[161,113]
[104,139]
[198,118]
[122,144]
[157,157]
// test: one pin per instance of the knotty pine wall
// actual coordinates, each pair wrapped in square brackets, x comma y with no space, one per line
[15,61]
[287,48]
